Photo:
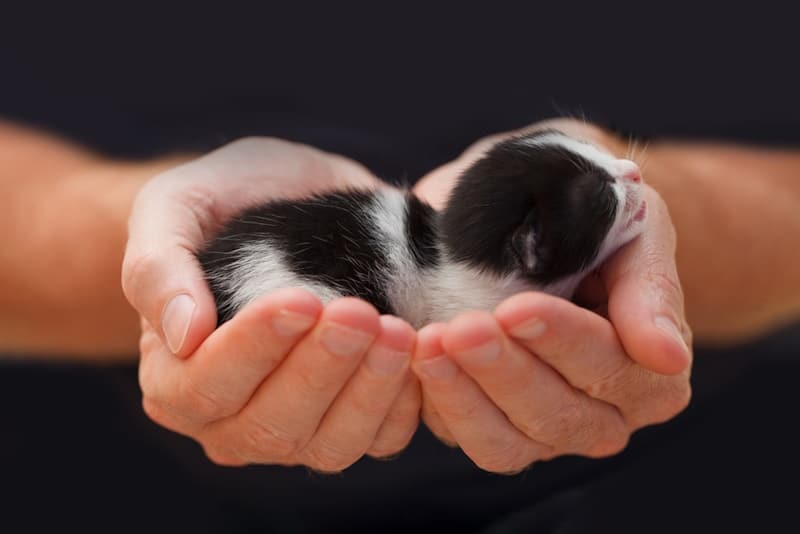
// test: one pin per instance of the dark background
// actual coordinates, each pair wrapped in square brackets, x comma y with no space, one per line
[401,91]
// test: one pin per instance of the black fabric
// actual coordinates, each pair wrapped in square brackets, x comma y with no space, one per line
[401,92]
[79,454]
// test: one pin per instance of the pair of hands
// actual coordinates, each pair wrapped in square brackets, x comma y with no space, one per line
[290,381]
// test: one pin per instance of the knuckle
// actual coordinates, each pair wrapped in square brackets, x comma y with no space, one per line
[559,426]
[679,397]
[196,196]
[402,416]
[195,401]
[162,416]
[328,458]
[443,435]
[314,381]
[464,411]
[611,443]
[366,408]
[389,444]
[202,210]
[220,456]
[136,271]
[149,343]
[666,281]
[437,427]
[147,377]
[265,442]
[506,460]
[565,347]
[388,449]
[154,411]
[217,460]
[670,398]
[605,387]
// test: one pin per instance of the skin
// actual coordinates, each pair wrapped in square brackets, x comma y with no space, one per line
[292,382]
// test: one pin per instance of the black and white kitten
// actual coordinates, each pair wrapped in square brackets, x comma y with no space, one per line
[538,212]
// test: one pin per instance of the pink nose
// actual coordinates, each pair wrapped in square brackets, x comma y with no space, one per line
[628,170]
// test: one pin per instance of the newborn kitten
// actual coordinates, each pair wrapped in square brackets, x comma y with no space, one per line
[537,212]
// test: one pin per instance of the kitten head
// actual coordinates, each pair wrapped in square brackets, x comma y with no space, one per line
[545,204]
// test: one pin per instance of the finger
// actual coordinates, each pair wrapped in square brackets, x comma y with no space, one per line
[226,370]
[582,346]
[645,296]
[479,427]
[287,408]
[225,459]
[349,427]
[161,276]
[400,424]
[435,423]
[584,349]
[429,345]
[532,395]
[159,393]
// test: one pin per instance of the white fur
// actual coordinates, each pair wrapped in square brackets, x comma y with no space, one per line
[403,280]
[455,287]
[596,155]
[260,268]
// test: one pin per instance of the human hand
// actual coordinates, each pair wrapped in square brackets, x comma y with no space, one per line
[287,380]
[542,377]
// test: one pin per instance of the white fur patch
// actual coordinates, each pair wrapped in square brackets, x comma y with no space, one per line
[588,151]
[403,284]
[260,268]
[455,287]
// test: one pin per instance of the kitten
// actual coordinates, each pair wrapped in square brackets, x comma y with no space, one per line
[536,212]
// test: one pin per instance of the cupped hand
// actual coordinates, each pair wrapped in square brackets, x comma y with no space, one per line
[540,376]
[287,380]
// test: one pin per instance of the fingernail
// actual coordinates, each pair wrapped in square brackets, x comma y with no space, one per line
[438,368]
[666,325]
[344,341]
[481,355]
[530,329]
[175,321]
[385,361]
[289,323]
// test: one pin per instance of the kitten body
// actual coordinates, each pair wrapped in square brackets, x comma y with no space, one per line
[537,212]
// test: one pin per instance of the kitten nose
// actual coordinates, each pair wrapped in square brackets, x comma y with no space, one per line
[628,170]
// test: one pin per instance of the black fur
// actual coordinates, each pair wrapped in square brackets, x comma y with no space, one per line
[563,199]
[421,232]
[325,239]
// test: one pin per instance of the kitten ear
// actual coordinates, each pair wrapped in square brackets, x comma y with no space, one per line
[523,243]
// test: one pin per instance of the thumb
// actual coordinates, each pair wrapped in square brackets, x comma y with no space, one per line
[161,276]
[645,299]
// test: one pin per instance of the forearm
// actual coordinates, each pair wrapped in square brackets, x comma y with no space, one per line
[737,215]
[63,225]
